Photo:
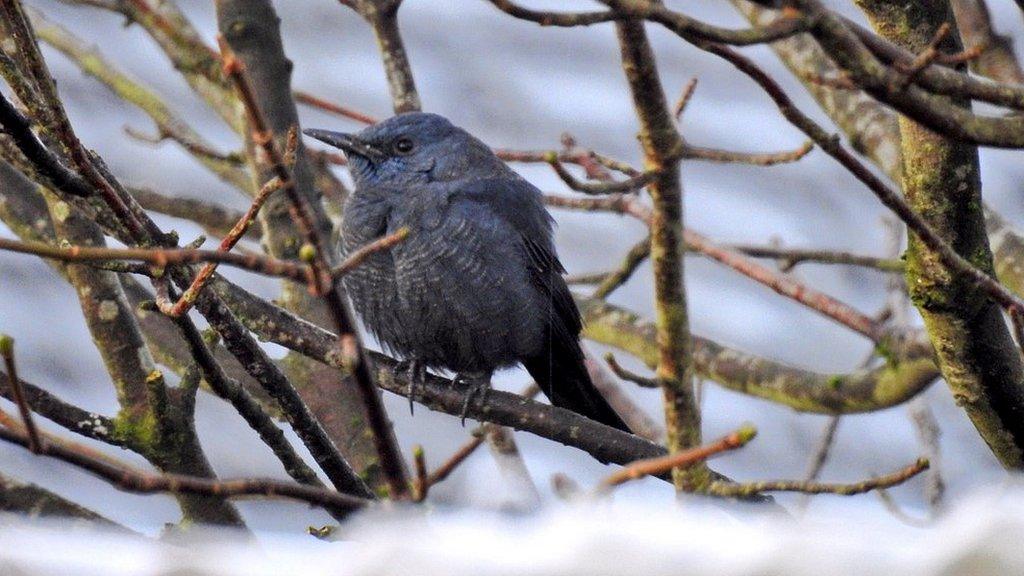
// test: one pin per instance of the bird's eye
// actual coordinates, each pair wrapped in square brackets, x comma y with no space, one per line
[403,146]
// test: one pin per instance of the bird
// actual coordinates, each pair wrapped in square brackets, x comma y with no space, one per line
[477,285]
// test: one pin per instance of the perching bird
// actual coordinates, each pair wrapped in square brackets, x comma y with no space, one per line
[477,284]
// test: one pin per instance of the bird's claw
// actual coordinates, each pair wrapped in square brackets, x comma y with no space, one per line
[478,385]
[416,373]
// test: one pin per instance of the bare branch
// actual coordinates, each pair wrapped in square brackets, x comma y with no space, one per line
[188,297]
[164,257]
[675,21]
[634,258]
[357,257]
[327,106]
[139,482]
[35,443]
[724,489]
[664,464]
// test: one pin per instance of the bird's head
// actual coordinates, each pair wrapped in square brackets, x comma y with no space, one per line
[410,148]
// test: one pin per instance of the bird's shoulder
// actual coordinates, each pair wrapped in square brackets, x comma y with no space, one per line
[519,205]
[511,199]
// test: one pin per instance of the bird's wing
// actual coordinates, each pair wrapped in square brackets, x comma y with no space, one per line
[520,204]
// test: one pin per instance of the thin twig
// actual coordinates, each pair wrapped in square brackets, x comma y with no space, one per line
[664,464]
[752,158]
[833,146]
[35,443]
[327,106]
[923,60]
[441,473]
[791,257]
[479,436]
[677,22]
[628,375]
[821,454]
[358,256]
[162,257]
[634,258]
[786,286]
[421,484]
[611,187]
[132,480]
[215,219]
[726,489]
[684,98]
[188,297]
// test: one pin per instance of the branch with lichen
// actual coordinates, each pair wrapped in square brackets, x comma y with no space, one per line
[661,142]
[169,125]
[941,180]
[683,459]
[133,480]
[743,489]
[382,16]
[142,231]
[35,502]
[909,371]
[175,35]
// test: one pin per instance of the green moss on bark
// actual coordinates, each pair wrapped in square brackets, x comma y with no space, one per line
[941,180]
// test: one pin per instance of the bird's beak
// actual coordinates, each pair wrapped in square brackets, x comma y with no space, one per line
[349,143]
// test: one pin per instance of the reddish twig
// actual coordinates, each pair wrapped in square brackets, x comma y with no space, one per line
[930,54]
[609,187]
[441,473]
[889,197]
[163,257]
[357,257]
[188,297]
[466,450]
[664,464]
[684,98]
[787,286]
[585,159]
[784,285]
[321,104]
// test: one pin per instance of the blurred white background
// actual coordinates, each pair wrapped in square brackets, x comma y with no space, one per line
[517,85]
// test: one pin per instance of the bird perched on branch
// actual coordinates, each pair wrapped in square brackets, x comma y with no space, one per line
[477,285]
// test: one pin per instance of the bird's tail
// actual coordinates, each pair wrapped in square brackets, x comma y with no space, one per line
[562,376]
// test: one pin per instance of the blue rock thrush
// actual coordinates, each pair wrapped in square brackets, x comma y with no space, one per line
[477,286]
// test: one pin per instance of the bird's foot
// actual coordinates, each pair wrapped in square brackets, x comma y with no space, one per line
[479,385]
[416,373]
